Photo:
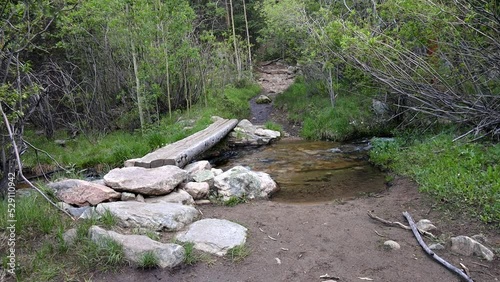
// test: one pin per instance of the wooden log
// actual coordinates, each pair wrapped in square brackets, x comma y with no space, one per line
[183,151]
[424,246]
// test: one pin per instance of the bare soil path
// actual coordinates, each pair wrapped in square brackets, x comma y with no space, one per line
[301,242]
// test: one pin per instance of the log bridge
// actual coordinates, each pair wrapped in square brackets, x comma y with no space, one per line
[183,151]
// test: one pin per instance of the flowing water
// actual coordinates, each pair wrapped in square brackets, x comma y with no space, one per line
[313,171]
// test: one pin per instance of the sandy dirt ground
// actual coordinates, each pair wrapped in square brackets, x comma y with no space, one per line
[302,242]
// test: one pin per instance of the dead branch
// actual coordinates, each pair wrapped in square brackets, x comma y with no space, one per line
[452,268]
[47,154]
[398,224]
[20,165]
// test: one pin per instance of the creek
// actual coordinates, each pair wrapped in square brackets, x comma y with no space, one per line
[313,171]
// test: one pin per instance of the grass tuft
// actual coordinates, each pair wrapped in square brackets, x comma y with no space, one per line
[238,253]
[148,260]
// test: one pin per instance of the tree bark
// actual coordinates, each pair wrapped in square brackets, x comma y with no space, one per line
[457,271]
[248,40]
[236,53]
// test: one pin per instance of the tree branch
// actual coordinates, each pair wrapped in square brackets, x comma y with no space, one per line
[457,271]
[20,165]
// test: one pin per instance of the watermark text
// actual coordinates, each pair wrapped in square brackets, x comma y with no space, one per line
[11,224]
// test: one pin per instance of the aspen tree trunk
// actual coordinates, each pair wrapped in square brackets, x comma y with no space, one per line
[248,40]
[136,74]
[137,84]
[331,89]
[236,55]
[228,18]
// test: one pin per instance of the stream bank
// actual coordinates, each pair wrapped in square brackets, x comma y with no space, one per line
[290,242]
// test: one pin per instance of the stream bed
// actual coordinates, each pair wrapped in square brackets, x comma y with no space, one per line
[313,171]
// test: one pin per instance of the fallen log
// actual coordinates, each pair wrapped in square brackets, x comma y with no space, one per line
[452,268]
[183,151]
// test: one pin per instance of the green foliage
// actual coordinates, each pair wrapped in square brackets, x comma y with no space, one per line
[105,255]
[463,175]
[148,260]
[273,126]
[41,252]
[108,219]
[350,118]
[111,150]
[191,257]
[234,103]
[34,215]
[234,201]
[238,253]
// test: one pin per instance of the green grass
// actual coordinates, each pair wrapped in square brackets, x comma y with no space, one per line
[41,253]
[148,260]
[108,219]
[234,201]
[106,151]
[464,176]
[273,126]
[238,253]
[350,118]
[191,256]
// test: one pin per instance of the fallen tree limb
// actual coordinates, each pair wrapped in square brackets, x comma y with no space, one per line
[398,224]
[452,268]
[20,165]
[47,154]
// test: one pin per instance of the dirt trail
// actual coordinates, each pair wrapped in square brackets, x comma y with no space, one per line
[274,79]
[291,242]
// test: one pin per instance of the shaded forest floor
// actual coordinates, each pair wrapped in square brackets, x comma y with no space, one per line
[301,242]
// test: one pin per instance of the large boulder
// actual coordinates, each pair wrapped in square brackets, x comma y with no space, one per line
[215,236]
[147,181]
[160,216]
[180,196]
[83,193]
[245,133]
[136,246]
[242,182]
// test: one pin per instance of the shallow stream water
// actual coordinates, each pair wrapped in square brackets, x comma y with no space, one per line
[313,171]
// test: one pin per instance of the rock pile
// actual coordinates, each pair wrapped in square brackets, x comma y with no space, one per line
[162,199]
[247,134]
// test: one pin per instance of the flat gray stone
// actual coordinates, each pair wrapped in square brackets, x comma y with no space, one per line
[136,246]
[83,193]
[215,236]
[467,246]
[180,196]
[147,181]
[160,216]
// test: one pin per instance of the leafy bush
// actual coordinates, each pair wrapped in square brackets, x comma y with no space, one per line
[351,117]
[459,173]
